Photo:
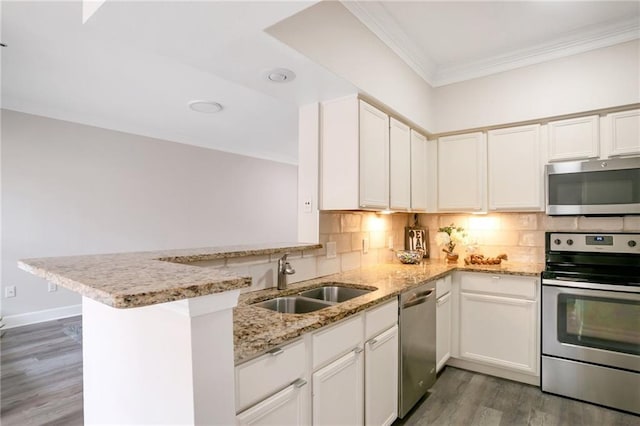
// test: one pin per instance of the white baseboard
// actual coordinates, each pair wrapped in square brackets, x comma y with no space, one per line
[495,371]
[12,321]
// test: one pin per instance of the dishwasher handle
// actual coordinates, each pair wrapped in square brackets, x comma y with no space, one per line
[418,299]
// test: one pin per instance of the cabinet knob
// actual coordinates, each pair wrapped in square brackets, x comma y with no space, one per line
[632,243]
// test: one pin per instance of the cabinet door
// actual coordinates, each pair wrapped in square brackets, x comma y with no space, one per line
[500,331]
[462,173]
[399,166]
[338,155]
[443,332]
[515,171]
[419,168]
[338,392]
[287,407]
[381,378]
[263,376]
[574,139]
[624,133]
[374,157]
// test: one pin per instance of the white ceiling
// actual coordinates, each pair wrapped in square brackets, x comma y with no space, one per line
[135,65]
[451,41]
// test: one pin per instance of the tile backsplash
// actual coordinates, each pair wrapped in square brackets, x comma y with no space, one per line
[519,235]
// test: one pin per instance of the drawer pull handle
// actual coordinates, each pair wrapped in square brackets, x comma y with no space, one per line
[299,383]
[495,278]
[358,350]
[275,352]
[373,342]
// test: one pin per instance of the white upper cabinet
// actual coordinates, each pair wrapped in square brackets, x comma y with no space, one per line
[339,156]
[374,157]
[622,133]
[462,173]
[574,139]
[419,172]
[399,165]
[354,156]
[515,171]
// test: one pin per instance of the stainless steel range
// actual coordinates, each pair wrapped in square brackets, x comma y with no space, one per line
[591,318]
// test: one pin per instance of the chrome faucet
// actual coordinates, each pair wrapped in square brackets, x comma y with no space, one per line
[284,269]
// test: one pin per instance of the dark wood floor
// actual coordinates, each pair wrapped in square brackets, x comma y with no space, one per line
[41,375]
[41,384]
[460,397]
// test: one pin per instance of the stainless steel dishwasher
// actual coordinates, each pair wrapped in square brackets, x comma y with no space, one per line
[417,345]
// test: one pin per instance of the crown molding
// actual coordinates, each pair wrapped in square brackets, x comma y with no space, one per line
[576,42]
[379,21]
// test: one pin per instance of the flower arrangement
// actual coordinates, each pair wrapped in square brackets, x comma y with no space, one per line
[449,236]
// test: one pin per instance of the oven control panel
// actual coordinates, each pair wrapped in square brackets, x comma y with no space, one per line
[594,242]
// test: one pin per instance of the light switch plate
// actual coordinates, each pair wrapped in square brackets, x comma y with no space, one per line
[331,249]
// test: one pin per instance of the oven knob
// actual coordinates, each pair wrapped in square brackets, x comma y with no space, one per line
[632,243]
[570,241]
[557,241]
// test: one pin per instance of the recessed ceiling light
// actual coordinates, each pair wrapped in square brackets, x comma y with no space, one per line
[280,75]
[207,107]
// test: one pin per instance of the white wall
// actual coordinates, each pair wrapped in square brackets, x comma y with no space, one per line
[72,189]
[330,35]
[597,79]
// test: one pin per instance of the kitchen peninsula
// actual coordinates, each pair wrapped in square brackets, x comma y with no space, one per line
[161,336]
[157,331]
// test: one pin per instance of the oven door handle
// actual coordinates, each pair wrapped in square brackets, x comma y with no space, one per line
[591,286]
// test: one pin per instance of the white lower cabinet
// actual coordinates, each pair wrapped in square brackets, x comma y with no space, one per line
[352,368]
[273,388]
[381,378]
[338,391]
[444,305]
[443,330]
[287,407]
[498,321]
[355,384]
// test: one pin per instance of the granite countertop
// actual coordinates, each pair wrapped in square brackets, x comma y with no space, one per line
[257,330]
[129,280]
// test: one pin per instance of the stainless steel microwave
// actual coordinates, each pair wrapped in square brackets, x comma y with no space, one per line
[598,187]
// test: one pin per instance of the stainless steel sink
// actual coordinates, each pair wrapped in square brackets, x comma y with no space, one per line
[293,305]
[334,293]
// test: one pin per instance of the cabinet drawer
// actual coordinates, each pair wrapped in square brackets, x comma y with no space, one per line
[264,376]
[381,318]
[506,285]
[337,340]
[443,286]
